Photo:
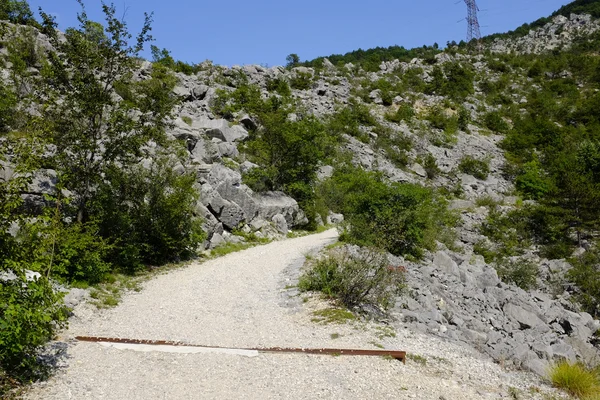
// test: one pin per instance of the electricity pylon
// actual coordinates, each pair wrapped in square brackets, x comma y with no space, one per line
[473,32]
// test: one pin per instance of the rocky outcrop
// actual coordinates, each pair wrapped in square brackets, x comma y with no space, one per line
[459,297]
[558,34]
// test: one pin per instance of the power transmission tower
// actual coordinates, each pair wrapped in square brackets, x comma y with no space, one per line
[473,32]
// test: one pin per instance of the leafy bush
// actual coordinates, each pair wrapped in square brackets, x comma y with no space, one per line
[453,80]
[440,119]
[585,274]
[403,219]
[349,120]
[77,251]
[279,86]
[405,112]
[431,167]
[480,169]
[301,80]
[30,313]
[575,379]
[355,277]
[532,181]
[522,273]
[148,215]
[494,122]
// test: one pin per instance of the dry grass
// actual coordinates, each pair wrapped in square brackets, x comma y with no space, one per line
[576,380]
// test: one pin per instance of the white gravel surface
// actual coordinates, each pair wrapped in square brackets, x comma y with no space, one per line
[245,300]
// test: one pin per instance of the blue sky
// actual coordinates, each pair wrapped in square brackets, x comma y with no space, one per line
[266,31]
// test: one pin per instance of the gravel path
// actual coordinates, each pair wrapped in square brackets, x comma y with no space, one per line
[245,300]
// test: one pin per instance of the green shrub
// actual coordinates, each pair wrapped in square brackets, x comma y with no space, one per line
[349,120]
[279,86]
[576,380]
[403,219]
[301,80]
[464,119]
[480,169]
[532,181]
[430,166]
[355,277]
[522,273]
[494,122]
[452,80]
[585,274]
[439,119]
[76,252]
[148,215]
[30,314]
[405,112]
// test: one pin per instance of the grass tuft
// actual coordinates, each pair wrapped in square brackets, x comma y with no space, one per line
[576,380]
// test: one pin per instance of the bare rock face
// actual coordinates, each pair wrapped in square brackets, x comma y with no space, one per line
[466,302]
[557,34]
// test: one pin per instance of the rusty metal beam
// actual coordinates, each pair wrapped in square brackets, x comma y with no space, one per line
[398,355]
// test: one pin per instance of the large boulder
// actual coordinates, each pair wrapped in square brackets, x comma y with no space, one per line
[221,129]
[273,203]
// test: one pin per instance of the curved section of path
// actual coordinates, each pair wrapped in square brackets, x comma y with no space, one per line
[247,299]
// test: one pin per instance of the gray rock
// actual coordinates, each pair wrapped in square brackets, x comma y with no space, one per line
[334,219]
[488,278]
[419,170]
[231,215]
[524,318]
[537,366]
[563,351]
[280,223]
[447,264]
[75,297]
[217,240]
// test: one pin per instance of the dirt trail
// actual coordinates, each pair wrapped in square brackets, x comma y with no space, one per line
[247,299]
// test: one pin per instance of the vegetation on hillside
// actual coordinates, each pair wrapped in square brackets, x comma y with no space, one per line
[118,204]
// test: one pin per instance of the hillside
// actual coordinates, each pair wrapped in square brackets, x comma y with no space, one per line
[476,173]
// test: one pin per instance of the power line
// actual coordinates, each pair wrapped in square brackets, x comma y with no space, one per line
[473,31]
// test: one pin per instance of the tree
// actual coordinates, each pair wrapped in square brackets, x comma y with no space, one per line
[292,60]
[17,12]
[91,126]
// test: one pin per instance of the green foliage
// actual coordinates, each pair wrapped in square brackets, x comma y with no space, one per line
[522,273]
[494,122]
[575,379]
[355,277]
[405,112]
[431,167]
[350,119]
[453,80]
[371,59]
[480,169]
[187,120]
[17,12]
[292,60]
[532,181]
[8,106]
[301,80]
[394,144]
[279,86]
[585,275]
[164,58]
[245,97]
[441,119]
[147,214]
[30,313]
[91,129]
[403,219]
[77,253]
